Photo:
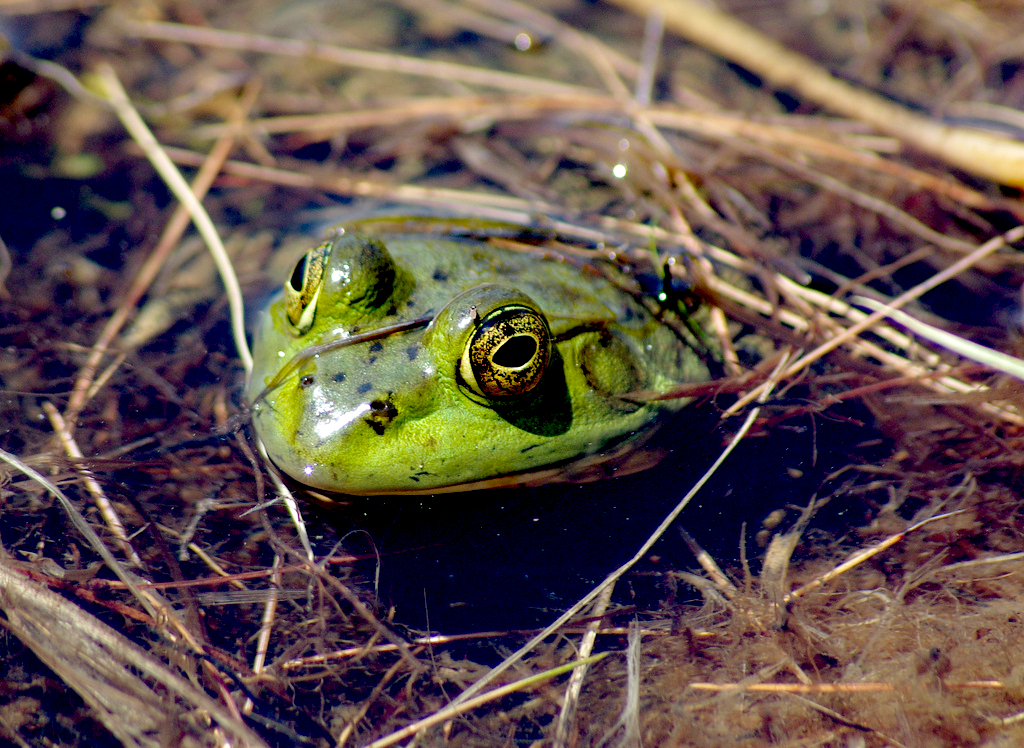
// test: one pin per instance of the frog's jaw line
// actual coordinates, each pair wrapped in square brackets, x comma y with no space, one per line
[620,461]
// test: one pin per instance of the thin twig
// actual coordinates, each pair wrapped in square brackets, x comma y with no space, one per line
[971,685]
[392,63]
[266,627]
[147,273]
[107,510]
[567,713]
[455,709]
[863,555]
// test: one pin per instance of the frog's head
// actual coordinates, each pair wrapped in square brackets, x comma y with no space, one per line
[367,394]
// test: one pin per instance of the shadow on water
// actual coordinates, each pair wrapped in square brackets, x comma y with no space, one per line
[509,559]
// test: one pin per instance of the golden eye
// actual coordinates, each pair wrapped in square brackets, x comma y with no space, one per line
[303,287]
[508,352]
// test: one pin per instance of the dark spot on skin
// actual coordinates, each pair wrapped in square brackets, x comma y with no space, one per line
[375,425]
[440,276]
[410,303]
[392,310]
[364,388]
[371,360]
[412,352]
[339,377]
[306,381]
[377,347]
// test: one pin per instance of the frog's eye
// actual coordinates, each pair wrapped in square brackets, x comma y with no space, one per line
[507,353]
[303,287]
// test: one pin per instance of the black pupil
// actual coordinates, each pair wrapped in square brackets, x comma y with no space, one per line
[299,274]
[515,352]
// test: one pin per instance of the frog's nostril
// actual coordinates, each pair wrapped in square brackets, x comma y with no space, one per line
[383,410]
[382,413]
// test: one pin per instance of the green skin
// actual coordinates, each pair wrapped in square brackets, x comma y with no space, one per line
[395,414]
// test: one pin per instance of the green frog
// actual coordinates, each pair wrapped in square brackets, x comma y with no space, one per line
[420,364]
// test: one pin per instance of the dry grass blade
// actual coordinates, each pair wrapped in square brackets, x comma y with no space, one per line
[861,556]
[567,714]
[842,149]
[290,502]
[155,606]
[138,698]
[1010,365]
[708,564]
[986,249]
[494,206]
[454,108]
[988,685]
[629,719]
[834,715]
[924,367]
[173,231]
[118,98]
[107,510]
[602,56]
[85,529]
[267,627]
[84,387]
[349,57]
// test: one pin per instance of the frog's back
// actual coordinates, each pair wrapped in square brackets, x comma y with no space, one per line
[445,267]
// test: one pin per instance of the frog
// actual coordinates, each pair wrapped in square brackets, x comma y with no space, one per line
[422,364]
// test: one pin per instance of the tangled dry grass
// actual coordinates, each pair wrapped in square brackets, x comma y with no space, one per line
[148,563]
